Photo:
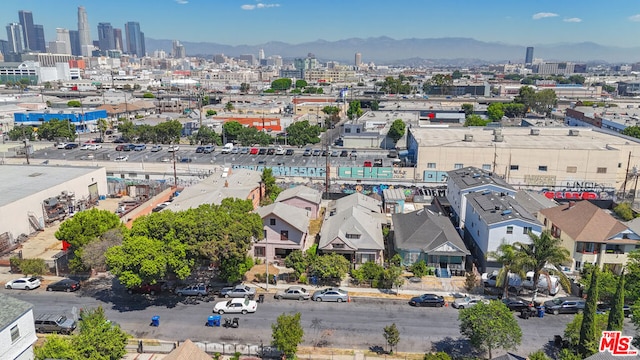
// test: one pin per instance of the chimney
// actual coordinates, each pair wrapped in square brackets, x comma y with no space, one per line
[571,204]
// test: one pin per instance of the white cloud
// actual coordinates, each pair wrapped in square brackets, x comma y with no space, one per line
[182,2]
[573,20]
[542,15]
[634,17]
[258,6]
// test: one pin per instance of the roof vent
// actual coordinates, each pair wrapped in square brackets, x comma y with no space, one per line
[468,137]
[497,207]
[534,132]
[498,138]
[486,192]
[475,175]
[574,132]
[506,212]
[497,131]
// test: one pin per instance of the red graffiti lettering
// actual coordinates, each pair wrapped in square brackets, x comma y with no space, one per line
[571,195]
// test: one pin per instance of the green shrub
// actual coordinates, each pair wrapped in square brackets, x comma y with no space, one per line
[303,279]
[624,211]
[419,269]
[29,266]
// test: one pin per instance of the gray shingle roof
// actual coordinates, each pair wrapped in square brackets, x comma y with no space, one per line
[11,309]
[393,194]
[494,207]
[292,215]
[472,177]
[301,191]
[354,220]
[426,231]
[534,201]
[608,356]
[357,200]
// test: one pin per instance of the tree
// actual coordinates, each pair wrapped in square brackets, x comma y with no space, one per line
[375,105]
[245,87]
[615,322]
[470,281]
[440,355]
[287,334]
[86,226]
[271,189]
[588,345]
[512,263]
[94,253]
[168,132]
[229,106]
[572,330]
[301,133]
[126,128]
[281,84]
[22,132]
[419,268]
[301,83]
[545,101]
[456,74]
[632,278]
[102,125]
[74,103]
[495,111]
[329,266]
[490,326]
[544,249]
[397,130]
[391,336]
[354,111]
[232,129]
[475,120]
[512,110]
[211,112]
[538,355]
[296,260]
[624,211]
[206,135]
[148,95]
[526,97]
[56,347]
[33,267]
[607,282]
[440,82]
[468,109]
[99,338]
[232,267]
[55,129]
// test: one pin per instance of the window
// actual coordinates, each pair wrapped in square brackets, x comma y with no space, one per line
[431,165]
[353,236]
[15,333]
[458,166]
[264,234]
[526,229]
[509,229]
[272,222]
[486,166]
[347,130]
[258,251]
[572,169]
[619,165]
[514,167]
[555,231]
[284,235]
[338,246]
[542,168]
[601,170]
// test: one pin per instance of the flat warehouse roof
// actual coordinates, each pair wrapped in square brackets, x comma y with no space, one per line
[20,181]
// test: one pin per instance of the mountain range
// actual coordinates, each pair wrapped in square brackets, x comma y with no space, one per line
[438,51]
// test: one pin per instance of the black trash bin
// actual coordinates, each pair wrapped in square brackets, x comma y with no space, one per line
[261,298]
[557,340]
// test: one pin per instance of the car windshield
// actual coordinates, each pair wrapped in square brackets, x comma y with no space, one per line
[61,319]
[557,301]
[32,279]
[228,303]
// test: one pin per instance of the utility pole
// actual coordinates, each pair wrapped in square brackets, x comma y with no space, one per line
[26,149]
[327,167]
[626,176]
[495,157]
[175,174]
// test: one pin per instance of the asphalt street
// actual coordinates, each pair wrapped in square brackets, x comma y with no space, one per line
[357,324]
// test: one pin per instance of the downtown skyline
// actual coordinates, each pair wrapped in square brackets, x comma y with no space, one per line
[250,22]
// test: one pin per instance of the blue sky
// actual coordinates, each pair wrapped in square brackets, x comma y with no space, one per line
[237,22]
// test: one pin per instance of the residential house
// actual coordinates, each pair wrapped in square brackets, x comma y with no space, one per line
[493,218]
[394,200]
[286,228]
[590,234]
[187,350]
[431,237]
[302,197]
[471,179]
[17,329]
[353,227]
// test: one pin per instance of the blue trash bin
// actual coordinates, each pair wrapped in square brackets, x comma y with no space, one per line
[155,321]
[211,320]
[540,312]
[217,319]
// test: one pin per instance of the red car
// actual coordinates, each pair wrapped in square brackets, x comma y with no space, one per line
[120,148]
[254,151]
[151,289]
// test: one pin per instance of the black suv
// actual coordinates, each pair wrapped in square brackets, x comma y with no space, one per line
[564,305]
[49,323]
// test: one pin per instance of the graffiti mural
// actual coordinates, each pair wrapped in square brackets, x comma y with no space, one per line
[581,190]
[369,189]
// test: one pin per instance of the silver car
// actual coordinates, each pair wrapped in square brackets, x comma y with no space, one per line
[293,293]
[467,302]
[331,294]
[239,291]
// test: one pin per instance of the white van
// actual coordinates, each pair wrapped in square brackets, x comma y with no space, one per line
[226,149]
[543,283]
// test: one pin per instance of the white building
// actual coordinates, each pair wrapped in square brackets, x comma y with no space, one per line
[17,330]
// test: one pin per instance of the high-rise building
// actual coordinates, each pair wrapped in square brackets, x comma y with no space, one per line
[83,32]
[74,37]
[14,37]
[358,59]
[4,47]
[28,30]
[135,39]
[249,58]
[528,59]
[62,44]
[41,44]
[117,36]
[178,51]
[261,54]
[105,37]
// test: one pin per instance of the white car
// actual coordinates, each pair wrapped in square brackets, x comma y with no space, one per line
[95,146]
[23,283]
[235,306]
[61,145]
[86,147]
[173,148]
[122,158]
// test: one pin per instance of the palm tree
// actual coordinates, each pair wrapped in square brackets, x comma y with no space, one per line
[544,249]
[511,261]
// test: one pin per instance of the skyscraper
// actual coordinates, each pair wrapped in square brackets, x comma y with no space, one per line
[83,32]
[74,38]
[135,39]
[62,45]
[178,51]
[117,36]
[261,54]
[14,37]
[28,30]
[41,44]
[105,37]
[358,59]
[528,59]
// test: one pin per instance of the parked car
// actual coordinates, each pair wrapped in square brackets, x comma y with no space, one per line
[326,153]
[61,145]
[235,306]
[121,158]
[26,283]
[119,141]
[156,148]
[271,151]
[335,153]
[603,308]
[367,164]
[516,304]
[185,160]
[140,147]
[280,151]
[392,154]
[293,293]
[70,146]
[564,305]
[331,294]
[244,150]
[344,153]
[129,147]
[317,152]
[95,146]
[51,323]
[208,149]
[200,149]
[307,152]
[238,291]
[66,285]
[173,148]
[427,300]
[85,147]
[235,150]
[120,148]
[354,154]
[262,151]
[150,289]
[289,152]
[88,157]
[467,302]
[193,290]
[377,162]
[254,151]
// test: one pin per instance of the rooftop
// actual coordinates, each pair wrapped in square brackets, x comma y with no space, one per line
[11,309]
[494,208]
[472,177]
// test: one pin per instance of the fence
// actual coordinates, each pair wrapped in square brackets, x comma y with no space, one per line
[165,347]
